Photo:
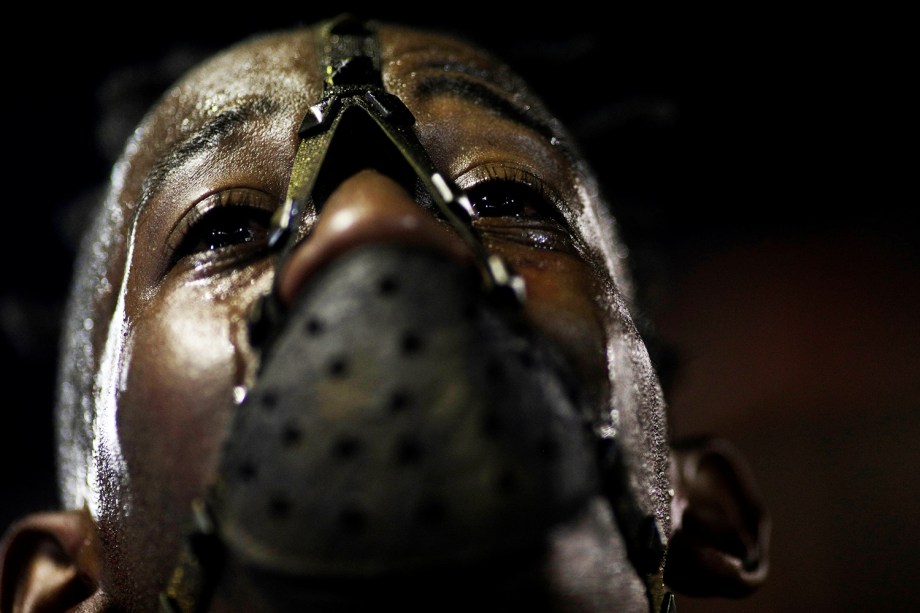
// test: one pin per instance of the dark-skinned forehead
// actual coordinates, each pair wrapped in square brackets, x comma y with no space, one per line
[205,108]
[442,65]
[208,136]
[453,84]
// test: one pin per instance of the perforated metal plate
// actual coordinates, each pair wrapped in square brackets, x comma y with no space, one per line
[400,422]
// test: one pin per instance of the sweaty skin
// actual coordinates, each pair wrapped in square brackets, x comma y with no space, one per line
[177,345]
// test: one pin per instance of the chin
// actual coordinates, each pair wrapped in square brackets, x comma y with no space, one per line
[580,567]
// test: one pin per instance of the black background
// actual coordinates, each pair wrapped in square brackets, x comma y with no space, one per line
[711,132]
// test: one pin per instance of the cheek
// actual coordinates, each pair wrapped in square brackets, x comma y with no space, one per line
[172,417]
[175,405]
[563,298]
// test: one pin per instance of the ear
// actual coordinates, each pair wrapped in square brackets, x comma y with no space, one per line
[719,526]
[50,562]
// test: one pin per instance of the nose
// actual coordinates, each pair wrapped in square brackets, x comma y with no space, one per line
[367,208]
[390,432]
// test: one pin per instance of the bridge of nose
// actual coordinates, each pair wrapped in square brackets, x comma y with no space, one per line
[367,208]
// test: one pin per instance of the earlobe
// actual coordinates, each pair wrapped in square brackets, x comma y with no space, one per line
[720,527]
[50,562]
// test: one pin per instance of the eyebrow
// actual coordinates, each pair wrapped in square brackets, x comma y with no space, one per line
[206,137]
[456,85]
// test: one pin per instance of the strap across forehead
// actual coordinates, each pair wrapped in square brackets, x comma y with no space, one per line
[350,53]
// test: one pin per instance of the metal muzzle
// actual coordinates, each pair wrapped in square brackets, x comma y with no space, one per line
[404,417]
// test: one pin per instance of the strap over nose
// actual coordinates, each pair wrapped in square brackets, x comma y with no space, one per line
[358,124]
[368,208]
[354,93]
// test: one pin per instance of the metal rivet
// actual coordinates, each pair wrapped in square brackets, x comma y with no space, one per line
[313,119]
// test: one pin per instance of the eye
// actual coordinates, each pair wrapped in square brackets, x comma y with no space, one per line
[230,219]
[517,207]
[224,227]
[506,198]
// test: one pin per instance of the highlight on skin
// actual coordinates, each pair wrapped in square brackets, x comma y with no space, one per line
[158,362]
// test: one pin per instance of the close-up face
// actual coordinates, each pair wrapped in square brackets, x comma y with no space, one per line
[199,185]
[350,329]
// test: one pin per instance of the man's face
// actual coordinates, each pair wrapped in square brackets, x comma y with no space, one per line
[201,181]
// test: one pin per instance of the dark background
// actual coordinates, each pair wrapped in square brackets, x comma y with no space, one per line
[754,159]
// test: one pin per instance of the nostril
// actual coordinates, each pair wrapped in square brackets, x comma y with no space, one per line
[367,208]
